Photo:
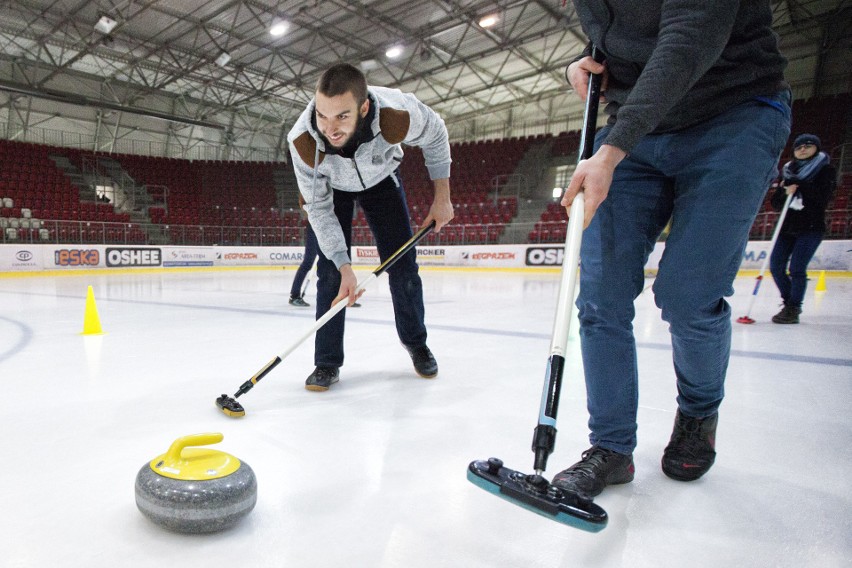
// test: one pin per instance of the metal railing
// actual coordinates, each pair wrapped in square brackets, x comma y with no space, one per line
[509,185]
[839,226]
[194,151]
[95,232]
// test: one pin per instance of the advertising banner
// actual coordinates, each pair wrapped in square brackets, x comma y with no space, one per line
[505,256]
[189,256]
[133,257]
[365,255]
[497,256]
[72,257]
[283,256]
[20,258]
[831,255]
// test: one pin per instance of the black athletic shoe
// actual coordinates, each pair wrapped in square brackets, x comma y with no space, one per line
[355,305]
[424,361]
[788,314]
[598,468]
[322,378]
[298,301]
[692,447]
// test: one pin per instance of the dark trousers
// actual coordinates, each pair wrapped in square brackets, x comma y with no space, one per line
[311,250]
[798,250]
[387,214]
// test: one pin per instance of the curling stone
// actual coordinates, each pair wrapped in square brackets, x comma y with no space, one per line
[196,490]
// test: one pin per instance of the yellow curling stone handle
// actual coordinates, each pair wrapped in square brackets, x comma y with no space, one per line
[195,464]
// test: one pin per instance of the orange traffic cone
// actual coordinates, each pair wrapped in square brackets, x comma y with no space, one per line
[91,322]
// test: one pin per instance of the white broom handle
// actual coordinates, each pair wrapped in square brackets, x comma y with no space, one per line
[776,232]
[333,311]
[570,263]
[336,308]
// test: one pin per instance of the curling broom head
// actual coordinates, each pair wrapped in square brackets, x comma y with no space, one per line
[230,406]
[536,494]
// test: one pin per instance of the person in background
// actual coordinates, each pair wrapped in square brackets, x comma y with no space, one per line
[346,148]
[297,295]
[699,113]
[308,258]
[810,179]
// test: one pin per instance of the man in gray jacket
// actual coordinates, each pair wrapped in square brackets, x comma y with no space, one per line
[698,116]
[346,147]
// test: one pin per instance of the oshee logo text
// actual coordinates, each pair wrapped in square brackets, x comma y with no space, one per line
[117,257]
[545,256]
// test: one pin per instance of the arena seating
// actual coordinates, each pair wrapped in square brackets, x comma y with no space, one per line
[233,194]
[216,202]
[566,144]
[40,194]
[552,226]
[479,217]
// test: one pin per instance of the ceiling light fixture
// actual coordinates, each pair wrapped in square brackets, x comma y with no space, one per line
[105,24]
[223,59]
[368,65]
[489,21]
[393,52]
[279,27]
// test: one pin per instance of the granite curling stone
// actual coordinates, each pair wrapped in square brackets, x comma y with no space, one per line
[196,490]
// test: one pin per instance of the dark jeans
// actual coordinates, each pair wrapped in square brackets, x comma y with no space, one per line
[387,214]
[710,180]
[310,255]
[798,250]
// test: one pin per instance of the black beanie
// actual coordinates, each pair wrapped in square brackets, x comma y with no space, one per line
[807,139]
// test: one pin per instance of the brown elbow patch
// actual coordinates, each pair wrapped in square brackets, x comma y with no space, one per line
[306,146]
[394,124]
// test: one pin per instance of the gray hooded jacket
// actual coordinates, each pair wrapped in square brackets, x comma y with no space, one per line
[398,118]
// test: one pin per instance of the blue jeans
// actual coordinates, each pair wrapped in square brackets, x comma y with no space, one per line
[308,259]
[386,211]
[710,180]
[798,250]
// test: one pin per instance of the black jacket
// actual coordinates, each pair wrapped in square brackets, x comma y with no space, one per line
[816,193]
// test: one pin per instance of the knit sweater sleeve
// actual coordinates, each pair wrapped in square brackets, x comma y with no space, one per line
[428,131]
[317,195]
[692,36]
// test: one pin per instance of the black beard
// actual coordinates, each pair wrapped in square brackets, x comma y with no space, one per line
[348,149]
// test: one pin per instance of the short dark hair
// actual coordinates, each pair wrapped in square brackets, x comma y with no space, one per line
[343,78]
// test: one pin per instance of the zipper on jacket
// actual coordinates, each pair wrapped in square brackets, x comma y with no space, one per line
[357,171]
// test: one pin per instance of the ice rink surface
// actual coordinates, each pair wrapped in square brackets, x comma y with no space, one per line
[372,472]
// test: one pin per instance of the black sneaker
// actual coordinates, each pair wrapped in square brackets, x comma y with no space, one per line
[322,378]
[424,361]
[298,301]
[598,468]
[692,447]
[788,314]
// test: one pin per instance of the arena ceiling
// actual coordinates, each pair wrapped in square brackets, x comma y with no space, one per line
[215,65]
